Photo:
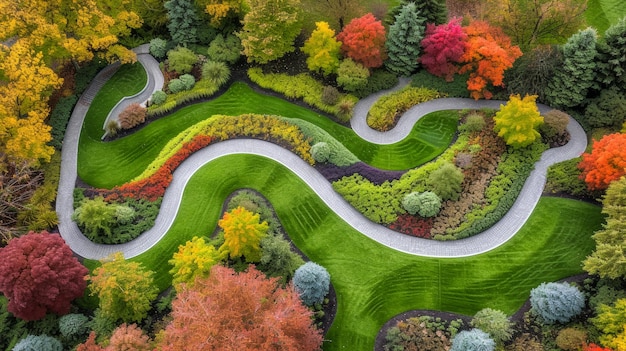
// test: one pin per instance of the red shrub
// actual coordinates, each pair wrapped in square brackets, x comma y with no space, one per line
[132,116]
[413,225]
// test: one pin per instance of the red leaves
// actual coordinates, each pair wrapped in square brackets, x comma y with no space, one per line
[594,347]
[443,47]
[413,225]
[39,274]
[363,40]
[605,163]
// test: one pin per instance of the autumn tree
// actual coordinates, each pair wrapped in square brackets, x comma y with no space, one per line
[39,274]
[239,311]
[129,337]
[443,46]
[125,289]
[270,29]
[363,40]
[322,49]
[609,258]
[487,55]
[606,162]
[573,79]
[403,41]
[518,120]
[222,10]
[192,260]
[243,231]
[611,57]
[431,11]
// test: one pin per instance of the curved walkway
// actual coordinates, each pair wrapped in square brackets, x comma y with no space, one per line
[495,236]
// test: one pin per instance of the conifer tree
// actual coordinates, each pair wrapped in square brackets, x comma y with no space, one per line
[432,11]
[611,57]
[183,21]
[403,41]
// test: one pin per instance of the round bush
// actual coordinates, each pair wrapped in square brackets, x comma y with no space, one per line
[446,181]
[571,339]
[554,123]
[225,50]
[158,48]
[216,72]
[556,302]
[73,325]
[473,340]
[330,95]
[158,97]
[175,86]
[38,343]
[495,323]
[312,282]
[188,81]
[181,59]
[320,152]
[473,123]
[426,204]
[124,214]
[352,75]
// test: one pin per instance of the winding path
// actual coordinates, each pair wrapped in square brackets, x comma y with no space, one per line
[495,236]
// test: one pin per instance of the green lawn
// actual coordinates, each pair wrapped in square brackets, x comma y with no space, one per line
[373,282]
[601,14]
[105,164]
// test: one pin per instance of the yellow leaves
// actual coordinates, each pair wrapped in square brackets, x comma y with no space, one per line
[517,121]
[243,232]
[192,260]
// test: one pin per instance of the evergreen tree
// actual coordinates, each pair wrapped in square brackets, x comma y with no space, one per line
[611,57]
[571,82]
[403,41]
[432,11]
[183,21]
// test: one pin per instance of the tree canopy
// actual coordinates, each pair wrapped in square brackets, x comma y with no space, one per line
[363,40]
[403,41]
[444,46]
[606,162]
[322,49]
[518,120]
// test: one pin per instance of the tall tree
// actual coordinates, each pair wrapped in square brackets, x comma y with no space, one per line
[531,73]
[444,46]
[431,11]
[322,49]
[606,163]
[183,21]
[239,311]
[363,40]
[192,260]
[487,55]
[518,120]
[270,29]
[571,82]
[403,41]
[125,289]
[243,232]
[611,57]
[39,274]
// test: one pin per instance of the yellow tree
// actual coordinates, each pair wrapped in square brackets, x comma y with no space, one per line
[194,259]
[323,49]
[243,232]
[517,121]
[219,10]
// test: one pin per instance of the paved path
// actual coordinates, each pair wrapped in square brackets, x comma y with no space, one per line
[488,240]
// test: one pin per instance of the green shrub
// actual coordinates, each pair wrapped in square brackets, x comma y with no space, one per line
[426,204]
[225,50]
[59,117]
[384,113]
[277,259]
[95,217]
[312,282]
[564,177]
[330,95]
[188,81]
[158,48]
[607,110]
[474,122]
[38,343]
[158,97]
[352,75]
[176,86]
[605,295]
[202,89]
[216,72]
[124,214]
[554,123]
[379,80]
[495,323]
[74,325]
[556,302]
[446,181]
[455,88]
[181,59]
[571,339]
[338,154]
[320,152]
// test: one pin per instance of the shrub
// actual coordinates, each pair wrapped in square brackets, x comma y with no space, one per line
[495,323]
[188,81]
[38,343]
[554,123]
[158,97]
[181,59]
[416,334]
[607,110]
[473,340]
[320,152]
[112,127]
[225,50]
[330,95]
[74,325]
[385,112]
[277,259]
[455,88]
[158,48]
[379,80]
[312,282]
[59,117]
[446,181]
[426,204]
[216,72]
[463,160]
[565,177]
[525,342]
[474,122]
[132,116]
[352,75]
[124,214]
[556,302]
[176,86]
[96,217]
[571,339]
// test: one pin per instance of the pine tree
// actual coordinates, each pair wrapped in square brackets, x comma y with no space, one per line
[432,11]
[183,21]
[611,57]
[572,81]
[403,41]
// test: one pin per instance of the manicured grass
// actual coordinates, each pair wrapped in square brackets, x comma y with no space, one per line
[373,282]
[105,164]
[601,14]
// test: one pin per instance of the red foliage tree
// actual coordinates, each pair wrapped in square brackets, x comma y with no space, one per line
[594,347]
[487,55]
[363,40]
[239,311]
[605,163]
[90,344]
[443,47]
[39,274]
[129,337]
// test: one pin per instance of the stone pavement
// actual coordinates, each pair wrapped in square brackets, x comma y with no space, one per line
[495,236]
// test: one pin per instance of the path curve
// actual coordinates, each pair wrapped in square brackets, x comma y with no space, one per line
[495,236]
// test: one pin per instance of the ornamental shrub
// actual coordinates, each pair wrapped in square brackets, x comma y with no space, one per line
[112,127]
[158,48]
[379,79]
[175,86]
[554,123]
[571,339]
[426,204]
[446,181]
[277,259]
[495,323]
[312,282]
[38,343]
[474,122]
[216,72]
[188,81]
[73,325]
[226,50]
[352,75]
[96,217]
[525,342]
[473,340]
[321,152]
[416,333]
[330,95]
[607,110]
[124,214]
[132,116]
[181,59]
[158,97]
[556,302]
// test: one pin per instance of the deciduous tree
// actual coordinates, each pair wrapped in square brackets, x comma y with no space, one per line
[487,55]
[606,162]
[444,46]
[403,41]
[39,274]
[239,311]
[220,10]
[192,260]
[243,231]
[322,49]
[363,40]
[125,289]
[269,29]
[518,120]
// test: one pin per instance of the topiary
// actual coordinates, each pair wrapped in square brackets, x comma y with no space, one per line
[158,97]
[571,339]
[320,152]
[73,325]
[38,343]
[556,302]
[188,81]
[216,72]
[495,323]
[158,48]
[473,340]
[312,282]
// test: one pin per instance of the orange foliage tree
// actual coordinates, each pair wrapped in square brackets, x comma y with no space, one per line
[606,162]
[363,40]
[125,337]
[487,55]
[239,311]
[243,232]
